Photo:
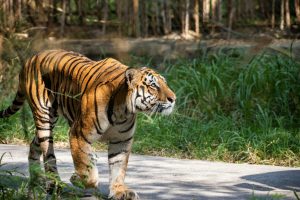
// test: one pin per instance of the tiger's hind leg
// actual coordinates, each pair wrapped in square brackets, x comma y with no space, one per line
[42,145]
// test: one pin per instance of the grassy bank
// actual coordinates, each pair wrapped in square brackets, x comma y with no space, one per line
[229,108]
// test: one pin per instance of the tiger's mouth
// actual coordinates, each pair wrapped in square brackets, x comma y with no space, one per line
[161,108]
[165,108]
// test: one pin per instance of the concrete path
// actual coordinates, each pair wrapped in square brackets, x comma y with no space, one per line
[157,178]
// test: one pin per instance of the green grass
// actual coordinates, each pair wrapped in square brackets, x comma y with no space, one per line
[226,110]
[230,111]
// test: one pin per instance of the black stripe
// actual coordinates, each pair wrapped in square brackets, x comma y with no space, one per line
[121,122]
[42,129]
[43,139]
[91,75]
[98,128]
[106,72]
[110,109]
[113,79]
[17,102]
[9,111]
[84,138]
[62,75]
[115,154]
[96,109]
[128,129]
[38,83]
[123,141]
[34,159]
[117,161]
[51,155]
[81,70]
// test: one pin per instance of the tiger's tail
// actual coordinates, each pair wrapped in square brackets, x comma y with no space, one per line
[15,106]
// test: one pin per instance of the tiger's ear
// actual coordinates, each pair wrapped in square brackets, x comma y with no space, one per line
[130,73]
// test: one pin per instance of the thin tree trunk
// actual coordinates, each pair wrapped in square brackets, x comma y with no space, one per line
[231,10]
[11,19]
[63,18]
[297,11]
[273,14]
[119,15]
[104,16]
[80,12]
[168,16]
[187,17]
[157,18]
[18,9]
[196,17]
[182,15]
[144,18]
[136,18]
[282,15]
[164,17]
[205,11]
[54,11]
[287,14]
[219,5]
[214,10]
[127,17]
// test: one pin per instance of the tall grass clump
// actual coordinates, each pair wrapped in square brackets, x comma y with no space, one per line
[230,110]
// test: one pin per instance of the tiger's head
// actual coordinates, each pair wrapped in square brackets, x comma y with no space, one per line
[148,92]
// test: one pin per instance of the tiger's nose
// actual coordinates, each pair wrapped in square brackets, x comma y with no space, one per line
[171,99]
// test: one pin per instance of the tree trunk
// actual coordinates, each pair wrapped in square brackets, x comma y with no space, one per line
[287,14]
[17,9]
[231,12]
[136,18]
[144,18]
[182,15]
[214,10]
[154,17]
[205,11]
[187,18]
[219,5]
[80,12]
[104,16]
[297,11]
[164,17]
[196,17]
[11,19]
[119,5]
[157,18]
[63,18]
[273,15]
[168,13]
[282,15]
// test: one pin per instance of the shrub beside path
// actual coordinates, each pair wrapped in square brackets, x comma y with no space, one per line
[157,178]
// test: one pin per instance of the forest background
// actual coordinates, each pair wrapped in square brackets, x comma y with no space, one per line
[234,104]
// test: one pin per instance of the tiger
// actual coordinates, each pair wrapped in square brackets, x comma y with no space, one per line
[100,101]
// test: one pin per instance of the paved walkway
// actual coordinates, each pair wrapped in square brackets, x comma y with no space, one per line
[157,178]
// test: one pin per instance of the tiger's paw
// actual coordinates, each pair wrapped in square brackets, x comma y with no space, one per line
[85,182]
[121,192]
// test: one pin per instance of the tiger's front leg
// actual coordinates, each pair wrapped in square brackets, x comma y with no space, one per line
[86,172]
[118,155]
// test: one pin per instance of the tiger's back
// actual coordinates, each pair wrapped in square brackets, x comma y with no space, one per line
[63,78]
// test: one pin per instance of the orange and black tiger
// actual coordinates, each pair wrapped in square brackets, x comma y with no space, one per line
[99,99]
